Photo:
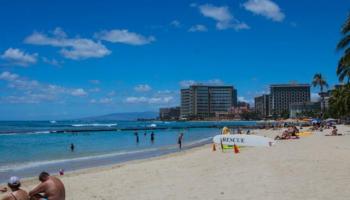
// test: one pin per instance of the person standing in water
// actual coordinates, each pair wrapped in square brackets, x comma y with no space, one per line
[152,137]
[137,137]
[179,140]
[72,147]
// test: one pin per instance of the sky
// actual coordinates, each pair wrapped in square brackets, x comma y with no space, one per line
[63,59]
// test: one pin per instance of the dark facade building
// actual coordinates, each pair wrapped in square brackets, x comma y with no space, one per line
[261,105]
[201,101]
[304,109]
[283,95]
[172,113]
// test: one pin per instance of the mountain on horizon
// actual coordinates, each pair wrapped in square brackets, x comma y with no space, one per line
[127,116]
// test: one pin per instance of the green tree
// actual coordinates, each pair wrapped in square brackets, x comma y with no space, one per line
[320,81]
[340,102]
[343,69]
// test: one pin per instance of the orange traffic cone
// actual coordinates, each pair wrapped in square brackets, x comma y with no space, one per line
[235,148]
[214,147]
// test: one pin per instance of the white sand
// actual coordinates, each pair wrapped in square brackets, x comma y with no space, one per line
[315,167]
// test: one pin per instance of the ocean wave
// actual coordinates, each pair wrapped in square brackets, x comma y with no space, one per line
[27,133]
[94,125]
[27,165]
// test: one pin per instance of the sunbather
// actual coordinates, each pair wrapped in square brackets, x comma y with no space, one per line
[16,192]
[50,188]
[334,132]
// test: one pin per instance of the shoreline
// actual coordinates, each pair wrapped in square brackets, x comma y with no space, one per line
[105,168]
[313,167]
[91,162]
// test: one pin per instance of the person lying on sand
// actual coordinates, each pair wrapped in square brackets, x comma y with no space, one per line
[334,132]
[16,193]
[50,188]
[290,133]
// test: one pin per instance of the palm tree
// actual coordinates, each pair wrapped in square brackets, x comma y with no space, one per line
[320,81]
[343,69]
[340,101]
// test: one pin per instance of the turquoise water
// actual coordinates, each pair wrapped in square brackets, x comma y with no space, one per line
[26,148]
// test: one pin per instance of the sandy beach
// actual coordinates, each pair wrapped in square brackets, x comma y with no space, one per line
[314,167]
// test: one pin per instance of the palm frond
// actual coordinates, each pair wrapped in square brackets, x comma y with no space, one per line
[344,42]
[346,26]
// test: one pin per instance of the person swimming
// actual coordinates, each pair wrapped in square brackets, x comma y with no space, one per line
[137,137]
[152,137]
[50,188]
[72,147]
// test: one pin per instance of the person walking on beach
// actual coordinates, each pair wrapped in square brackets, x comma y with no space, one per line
[50,188]
[16,193]
[152,137]
[72,147]
[179,140]
[137,137]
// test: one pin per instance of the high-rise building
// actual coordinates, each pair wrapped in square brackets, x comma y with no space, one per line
[262,104]
[206,101]
[171,113]
[283,95]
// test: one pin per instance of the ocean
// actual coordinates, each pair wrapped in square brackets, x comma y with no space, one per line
[29,147]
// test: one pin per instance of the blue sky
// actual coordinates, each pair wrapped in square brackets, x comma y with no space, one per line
[68,59]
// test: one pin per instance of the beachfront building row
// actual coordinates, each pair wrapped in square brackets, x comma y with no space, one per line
[171,113]
[280,99]
[204,101]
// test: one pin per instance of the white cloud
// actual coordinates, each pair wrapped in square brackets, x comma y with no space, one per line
[78,92]
[102,101]
[53,61]
[188,83]
[18,57]
[266,8]
[111,94]
[32,91]
[142,88]
[95,90]
[223,17]
[124,36]
[175,23]
[198,28]
[72,48]
[315,97]
[243,99]
[215,82]
[149,100]
[7,76]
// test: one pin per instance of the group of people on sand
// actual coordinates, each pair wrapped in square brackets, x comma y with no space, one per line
[290,133]
[50,188]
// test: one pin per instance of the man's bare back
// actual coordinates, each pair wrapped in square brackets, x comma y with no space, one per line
[51,188]
[18,195]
